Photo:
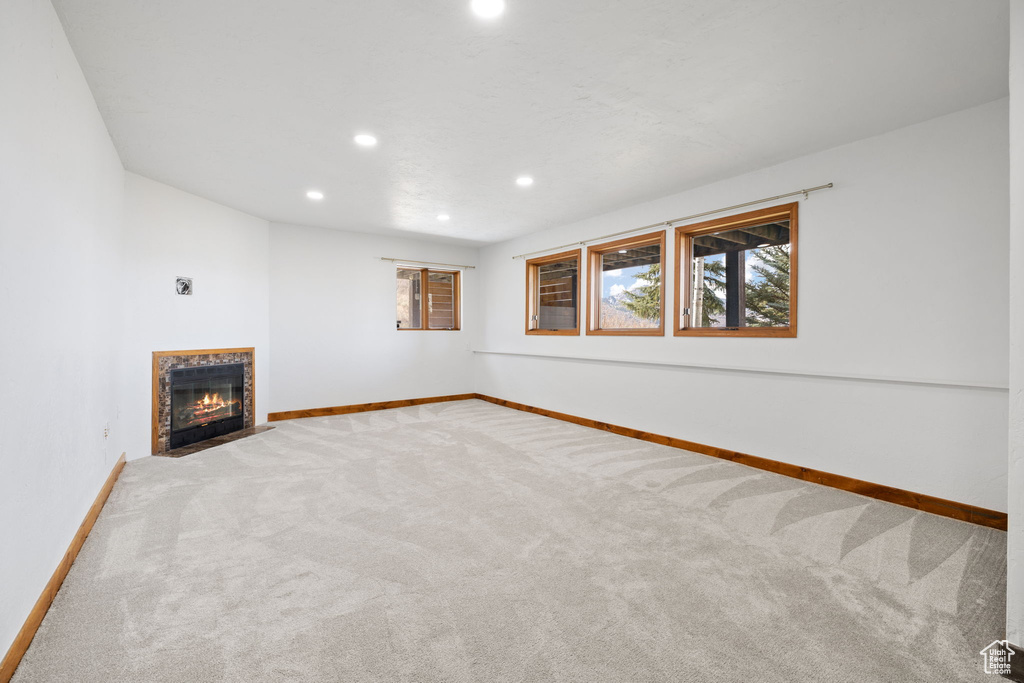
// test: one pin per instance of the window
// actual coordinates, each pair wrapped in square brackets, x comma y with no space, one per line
[553,293]
[437,310]
[737,275]
[627,293]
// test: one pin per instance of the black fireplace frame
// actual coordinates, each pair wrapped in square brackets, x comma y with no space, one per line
[190,435]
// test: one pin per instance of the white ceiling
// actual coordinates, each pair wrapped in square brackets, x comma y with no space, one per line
[606,103]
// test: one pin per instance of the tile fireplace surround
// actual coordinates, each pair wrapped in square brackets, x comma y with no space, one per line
[165,361]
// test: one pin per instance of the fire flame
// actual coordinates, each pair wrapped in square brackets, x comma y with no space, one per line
[209,408]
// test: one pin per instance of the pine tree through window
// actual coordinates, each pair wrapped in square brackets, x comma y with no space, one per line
[627,292]
[737,275]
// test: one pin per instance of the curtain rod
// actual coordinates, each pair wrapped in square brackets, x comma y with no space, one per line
[423,263]
[669,224]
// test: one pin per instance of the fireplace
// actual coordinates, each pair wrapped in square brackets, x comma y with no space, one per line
[206,402]
[200,395]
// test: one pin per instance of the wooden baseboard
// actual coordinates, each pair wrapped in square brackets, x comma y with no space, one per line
[918,501]
[35,617]
[364,407]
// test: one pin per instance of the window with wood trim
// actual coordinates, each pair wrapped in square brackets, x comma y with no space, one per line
[626,292]
[553,294]
[427,299]
[736,276]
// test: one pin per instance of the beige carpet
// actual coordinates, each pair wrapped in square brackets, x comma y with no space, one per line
[469,542]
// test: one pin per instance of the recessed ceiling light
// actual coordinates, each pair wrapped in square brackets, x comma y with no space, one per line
[488,9]
[443,217]
[622,251]
[365,140]
[315,195]
[524,181]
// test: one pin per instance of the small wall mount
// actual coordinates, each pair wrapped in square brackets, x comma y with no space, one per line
[183,286]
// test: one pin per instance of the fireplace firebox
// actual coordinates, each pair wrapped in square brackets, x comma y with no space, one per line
[206,401]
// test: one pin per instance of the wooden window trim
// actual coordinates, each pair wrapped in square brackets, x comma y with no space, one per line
[594,282]
[424,308]
[532,267]
[684,235]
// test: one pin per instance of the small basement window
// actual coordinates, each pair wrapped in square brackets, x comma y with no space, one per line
[427,299]
[736,276]
[553,294]
[627,291]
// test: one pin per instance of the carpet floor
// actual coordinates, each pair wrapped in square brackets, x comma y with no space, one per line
[469,542]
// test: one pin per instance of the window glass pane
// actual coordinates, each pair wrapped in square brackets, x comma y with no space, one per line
[441,301]
[408,310]
[740,277]
[631,288]
[556,302]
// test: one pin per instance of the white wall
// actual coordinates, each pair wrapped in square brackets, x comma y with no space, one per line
[1015,537]
[170,233]
[333,322]
[903,276]
[60,217]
